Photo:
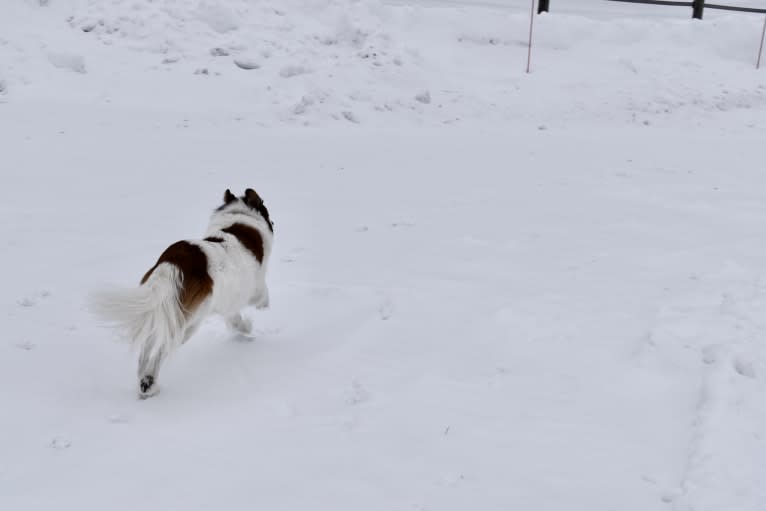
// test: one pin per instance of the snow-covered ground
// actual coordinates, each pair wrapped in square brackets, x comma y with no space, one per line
[490,290]
[310,62]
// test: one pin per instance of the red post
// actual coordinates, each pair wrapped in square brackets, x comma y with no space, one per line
[760,50]
[529,46]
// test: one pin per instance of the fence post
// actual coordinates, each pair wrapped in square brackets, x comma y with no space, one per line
[543,6]
[697,7]
[760,50]
[531,24]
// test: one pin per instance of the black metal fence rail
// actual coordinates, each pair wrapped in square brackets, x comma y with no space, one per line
[733,8]
[698,6]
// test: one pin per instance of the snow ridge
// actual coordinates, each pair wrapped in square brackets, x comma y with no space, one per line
[716,331]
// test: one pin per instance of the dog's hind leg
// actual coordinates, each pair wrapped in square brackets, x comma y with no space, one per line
[149,363]
[148,371]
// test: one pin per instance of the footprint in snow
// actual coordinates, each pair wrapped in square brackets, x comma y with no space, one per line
[386,310]
[669,496]
[711,354]
[31,301]
[25,345]
[423,97]
[452,479]
[744,367]
[358,394]
[350,116]
[59,443]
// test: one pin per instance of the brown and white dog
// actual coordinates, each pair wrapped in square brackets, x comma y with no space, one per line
[191,280]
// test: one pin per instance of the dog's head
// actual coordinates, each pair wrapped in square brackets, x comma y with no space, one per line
[250,202]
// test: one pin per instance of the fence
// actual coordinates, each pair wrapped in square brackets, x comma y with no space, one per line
[698,6]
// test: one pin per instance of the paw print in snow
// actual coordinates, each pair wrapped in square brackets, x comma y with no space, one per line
[60,443]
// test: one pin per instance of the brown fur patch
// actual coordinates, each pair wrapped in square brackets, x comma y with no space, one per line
[191,261]
[250,238]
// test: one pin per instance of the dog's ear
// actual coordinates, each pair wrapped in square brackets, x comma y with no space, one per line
[252,199]
[228,197]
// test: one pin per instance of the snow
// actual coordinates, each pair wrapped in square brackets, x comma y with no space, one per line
[489,290]
[74,63]
[318,59]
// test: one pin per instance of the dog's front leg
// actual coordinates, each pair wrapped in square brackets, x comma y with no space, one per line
[261,298]
[239,324]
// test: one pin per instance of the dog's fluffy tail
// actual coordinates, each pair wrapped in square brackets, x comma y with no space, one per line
[149,316]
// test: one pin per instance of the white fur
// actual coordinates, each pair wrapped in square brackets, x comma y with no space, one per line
[238,278]
[151,316]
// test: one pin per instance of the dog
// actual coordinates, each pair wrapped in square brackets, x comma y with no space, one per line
[220,274]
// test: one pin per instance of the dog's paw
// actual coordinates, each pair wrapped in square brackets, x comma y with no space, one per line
[240,324]
[147,387]
[245,326]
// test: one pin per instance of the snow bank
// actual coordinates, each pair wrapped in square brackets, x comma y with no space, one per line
[375,60]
